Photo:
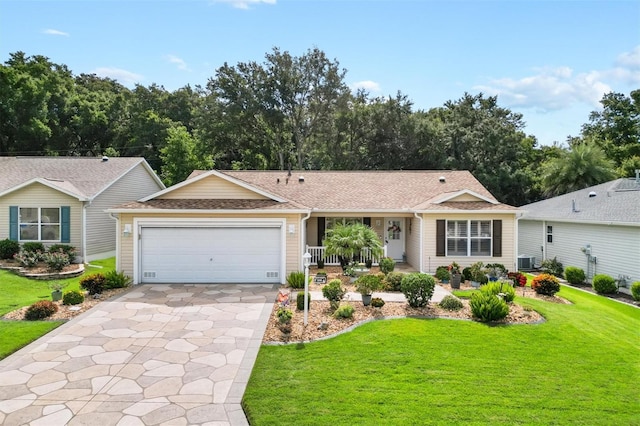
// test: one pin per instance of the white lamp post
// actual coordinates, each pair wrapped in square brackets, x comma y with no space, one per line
[306,261]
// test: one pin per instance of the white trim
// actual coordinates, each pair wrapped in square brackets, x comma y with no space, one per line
[221,176]
[46,183]
[460,211]
[153,222]
[84,232]
[205,211]
[144,164]
[448,197]
[421,241]
[581,221]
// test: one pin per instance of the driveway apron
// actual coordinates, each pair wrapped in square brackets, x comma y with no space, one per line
[158,354]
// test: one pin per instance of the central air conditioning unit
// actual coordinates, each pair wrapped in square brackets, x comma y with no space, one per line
[526,263]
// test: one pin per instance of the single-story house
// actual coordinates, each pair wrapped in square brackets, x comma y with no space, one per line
[254,226]
[63,200]
[596,229]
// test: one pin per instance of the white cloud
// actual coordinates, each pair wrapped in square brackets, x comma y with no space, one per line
[51,31]
[123,76]
[368,85]
[244,4]
[630,59]
[182,65]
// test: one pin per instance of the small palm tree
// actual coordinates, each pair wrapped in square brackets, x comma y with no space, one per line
[348,241]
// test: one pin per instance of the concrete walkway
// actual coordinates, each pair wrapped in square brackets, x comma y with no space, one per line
[156,355]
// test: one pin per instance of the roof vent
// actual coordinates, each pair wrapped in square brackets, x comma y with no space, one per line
[105,158]
[442,179]
[300,179]
[592,194]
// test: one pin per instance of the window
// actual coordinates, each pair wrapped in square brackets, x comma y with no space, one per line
[469,238]
[549,234]
[39,224]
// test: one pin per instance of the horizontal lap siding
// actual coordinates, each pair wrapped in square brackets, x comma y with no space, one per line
[530,239]
[37,195]
[413,242]
[212,187]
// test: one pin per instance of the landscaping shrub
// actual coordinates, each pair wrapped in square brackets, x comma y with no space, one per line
[552,266]
[442,273]
[72,297]
[495,270]
[9,248]
[300,301]
[574,275]
[28,259]
[69,250]
[418,288]
[33,246]
[604,284]
[498,288]
[93,283]
[296,279]
[393,280]
[518,278]
[367,284]
[284,315]
[40,310]
[344,311]
[451,303]
[635,290]
[334,292]
[488,307]
[113,279]
[377,302]
[466,274]
[546,284]
[387,265]
[56,261]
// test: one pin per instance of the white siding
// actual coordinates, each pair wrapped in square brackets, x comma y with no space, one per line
[530,239]
[412,242]
[101,228]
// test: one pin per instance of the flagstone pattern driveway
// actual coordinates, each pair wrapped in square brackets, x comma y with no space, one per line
[158,354]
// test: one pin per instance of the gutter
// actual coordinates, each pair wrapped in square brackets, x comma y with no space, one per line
[421,241]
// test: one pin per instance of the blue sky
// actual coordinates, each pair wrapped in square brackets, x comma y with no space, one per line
[550,60]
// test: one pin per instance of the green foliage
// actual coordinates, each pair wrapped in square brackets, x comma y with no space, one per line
[33,246]
[604,284]
[477,272]
[451,303]
[387,265]
[296,279]
[442,273]
[56,261]
[418,288]
[9,248]
[495,270]
[40,310]
[546,284]
[552,266]
[377,302]
[114,279]
[500,288]
[367,284]
[344,311]
[347,241]
[65,248]
[72,297]
[574,275]
[393,280]
[334,293]
[28,259]
[487,307]
[466,274]
[635,290]
[181,155]
[93,283]
[300,301]
[519,279]
[284,315]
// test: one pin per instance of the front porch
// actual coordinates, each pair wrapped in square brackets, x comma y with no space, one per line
[318,252]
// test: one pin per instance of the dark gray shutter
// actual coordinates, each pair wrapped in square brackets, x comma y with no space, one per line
[321,226]
[65,224]
[497,238]
[13,223]
[441,237]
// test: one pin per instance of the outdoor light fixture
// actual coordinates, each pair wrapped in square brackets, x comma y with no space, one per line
[306,261]
[127,230]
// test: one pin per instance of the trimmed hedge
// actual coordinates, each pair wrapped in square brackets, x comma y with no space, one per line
[546,284]
[418,288]
[40,310]
[9,248]
[604,284]
[635,290]
[574,275]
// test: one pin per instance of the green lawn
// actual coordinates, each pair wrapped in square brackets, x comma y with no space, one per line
[16,292]
[582,366]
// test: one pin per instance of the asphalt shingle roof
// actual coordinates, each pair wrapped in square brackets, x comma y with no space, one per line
[206,204]
[83,176]
[614,201]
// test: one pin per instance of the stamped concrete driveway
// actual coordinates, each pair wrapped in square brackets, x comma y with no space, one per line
[156,355]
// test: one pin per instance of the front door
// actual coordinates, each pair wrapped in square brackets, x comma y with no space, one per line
[394,237]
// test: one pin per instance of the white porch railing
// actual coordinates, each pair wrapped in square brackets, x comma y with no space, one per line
[318,252]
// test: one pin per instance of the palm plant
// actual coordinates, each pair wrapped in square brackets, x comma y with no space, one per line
[348,241]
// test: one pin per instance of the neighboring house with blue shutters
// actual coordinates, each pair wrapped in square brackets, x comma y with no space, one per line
[62,200]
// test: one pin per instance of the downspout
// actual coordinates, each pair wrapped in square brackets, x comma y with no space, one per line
[517,240]
[421,241]
[85,205]
[117,219]
[303,236]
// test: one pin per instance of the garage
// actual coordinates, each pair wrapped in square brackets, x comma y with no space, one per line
[211,254]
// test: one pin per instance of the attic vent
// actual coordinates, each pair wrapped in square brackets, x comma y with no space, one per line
[300,179]
[442,179]
[592,194]
[272,274]
[105,158]
[148,274]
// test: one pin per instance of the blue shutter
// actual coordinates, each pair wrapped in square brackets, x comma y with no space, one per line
[65,224]
[13,223]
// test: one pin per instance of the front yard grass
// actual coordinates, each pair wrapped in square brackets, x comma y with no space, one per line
[16,292]
[582,366]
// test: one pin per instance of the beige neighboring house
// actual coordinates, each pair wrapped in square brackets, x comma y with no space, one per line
[254,226]
[63,200]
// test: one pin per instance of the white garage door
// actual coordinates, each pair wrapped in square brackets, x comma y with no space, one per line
[210,255]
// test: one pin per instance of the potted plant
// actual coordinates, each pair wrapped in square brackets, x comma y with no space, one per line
[56,290]
[320,263]
[366,285]
[456,276]
[477,274]
[442,274]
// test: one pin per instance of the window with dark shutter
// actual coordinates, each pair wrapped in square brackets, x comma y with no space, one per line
[440,237]
[497,238]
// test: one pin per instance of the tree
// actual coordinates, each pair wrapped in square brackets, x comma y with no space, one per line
[583,165]
[180,156]
[347,241]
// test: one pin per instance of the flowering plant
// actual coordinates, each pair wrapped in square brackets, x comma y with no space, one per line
[454,268]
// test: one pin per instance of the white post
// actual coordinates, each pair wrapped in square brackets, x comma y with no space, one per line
[306,260]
